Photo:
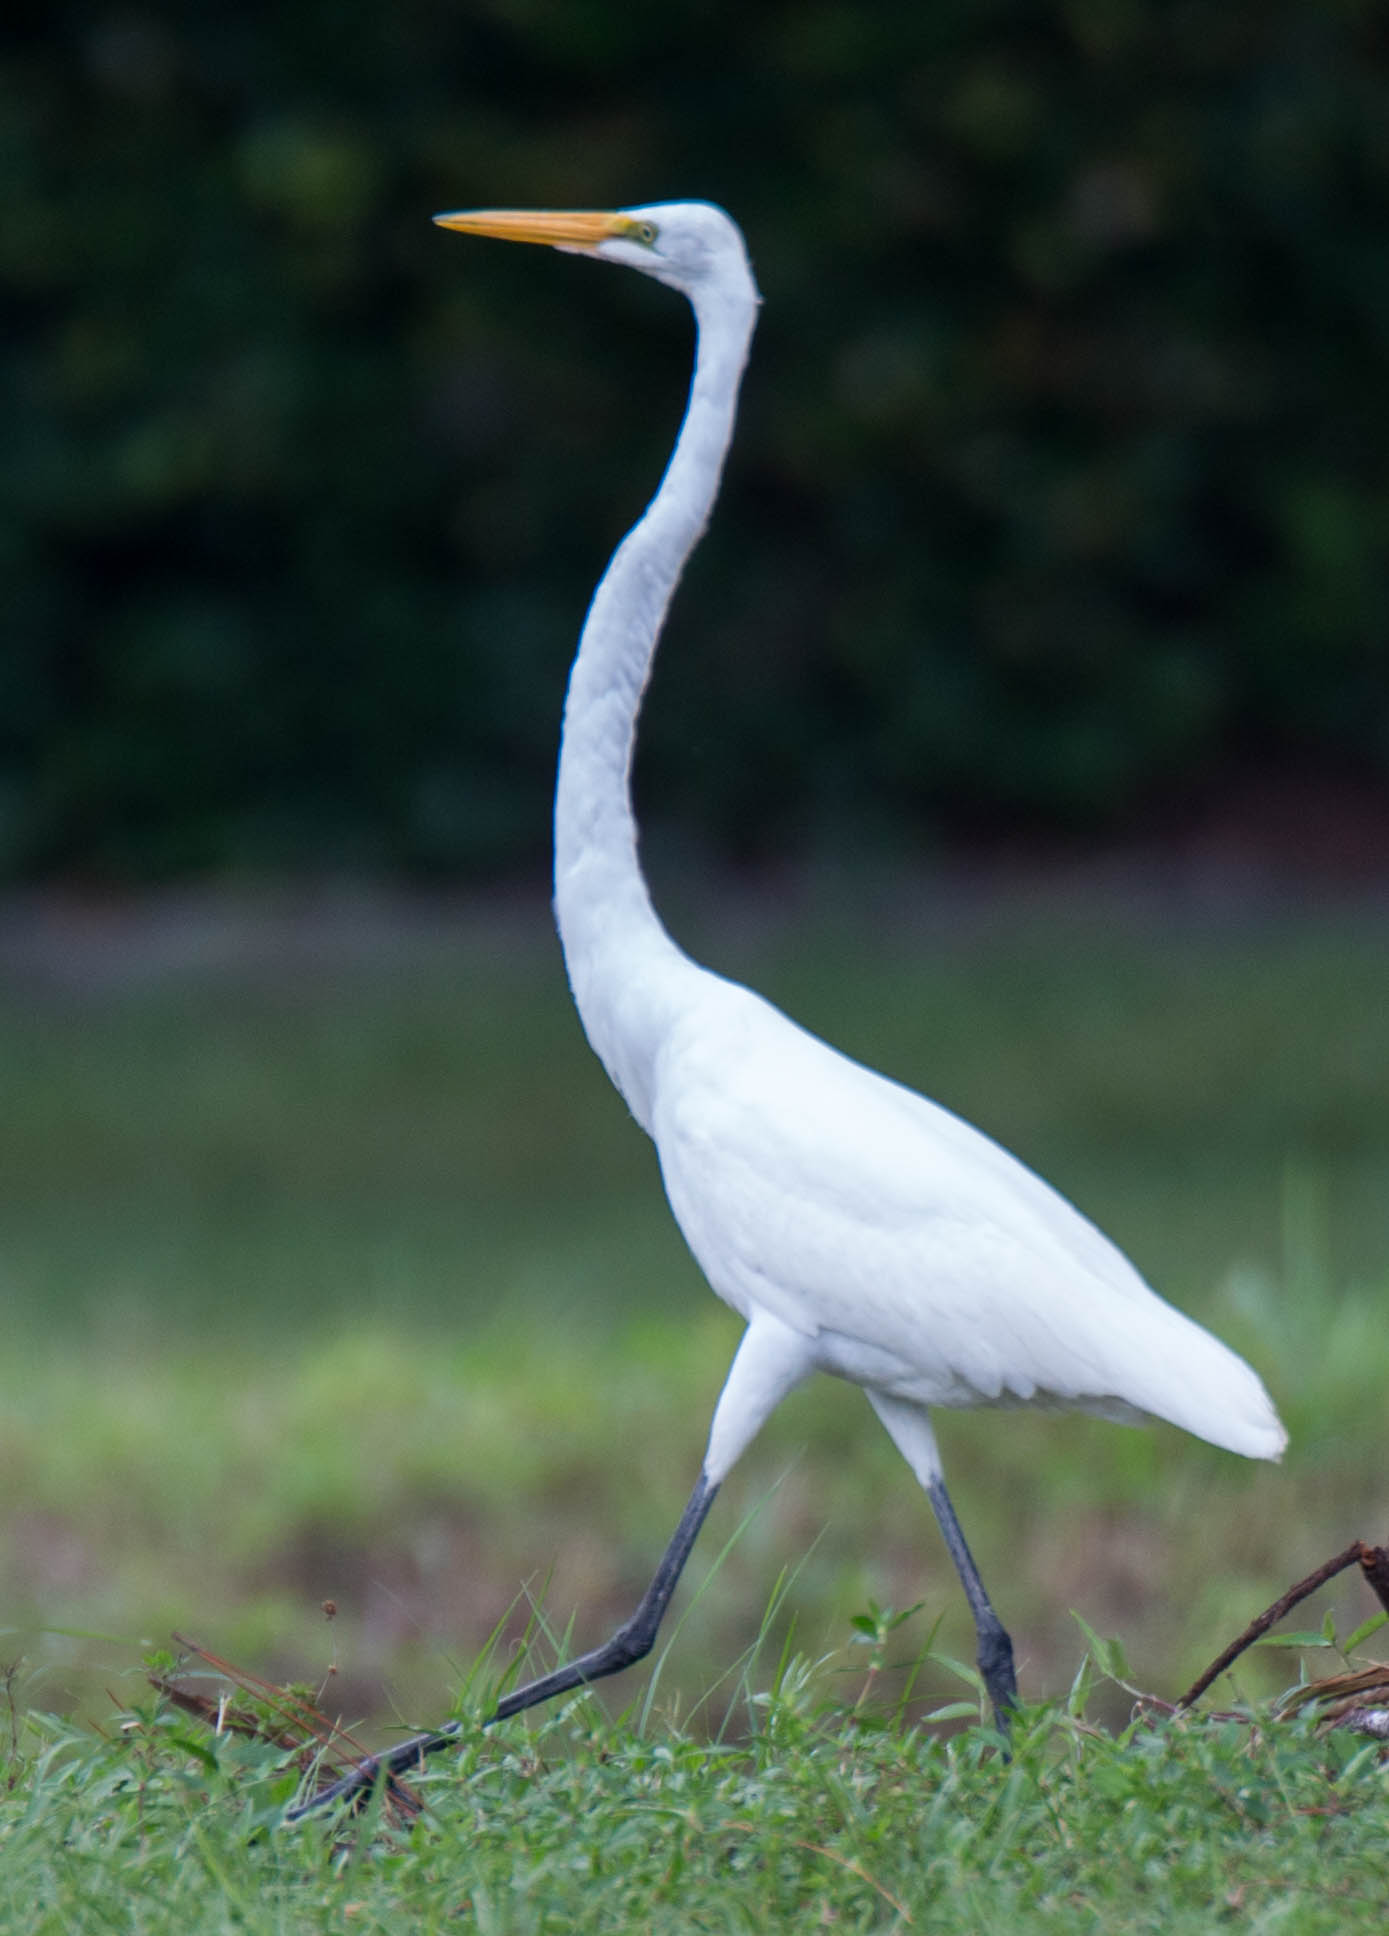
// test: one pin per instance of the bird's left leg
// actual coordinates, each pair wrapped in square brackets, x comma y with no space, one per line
[911,1433]
[769,1361]
[633,1639]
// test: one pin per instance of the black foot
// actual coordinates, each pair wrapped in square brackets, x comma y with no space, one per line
[996,1666]
[358,1782]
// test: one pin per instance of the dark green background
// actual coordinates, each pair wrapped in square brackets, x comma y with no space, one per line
[1059,497]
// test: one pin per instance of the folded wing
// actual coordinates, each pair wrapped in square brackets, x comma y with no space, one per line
[924,1259]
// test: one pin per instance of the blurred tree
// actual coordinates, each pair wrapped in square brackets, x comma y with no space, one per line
[1059,491]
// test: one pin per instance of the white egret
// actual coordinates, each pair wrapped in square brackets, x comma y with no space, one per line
[858,1228]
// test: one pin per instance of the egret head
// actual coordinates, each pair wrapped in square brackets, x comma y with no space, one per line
[692,246]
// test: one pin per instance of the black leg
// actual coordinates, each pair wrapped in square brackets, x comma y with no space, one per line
[632,1642]
[995,1648]
[634,1639]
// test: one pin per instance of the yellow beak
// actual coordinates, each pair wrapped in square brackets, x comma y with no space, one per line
[582,228]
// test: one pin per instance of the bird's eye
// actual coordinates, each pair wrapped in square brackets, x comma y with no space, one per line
[645,233]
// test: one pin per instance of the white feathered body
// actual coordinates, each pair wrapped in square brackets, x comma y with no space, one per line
[918,1256]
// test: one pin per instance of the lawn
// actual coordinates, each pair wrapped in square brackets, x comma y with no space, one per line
[334,1272]
[819,1810]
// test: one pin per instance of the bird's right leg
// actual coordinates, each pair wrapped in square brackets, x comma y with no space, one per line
[769,1361]
[995,1649]
[911,1433]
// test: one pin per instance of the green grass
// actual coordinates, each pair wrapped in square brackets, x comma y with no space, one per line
[820,1809]
[357,1284]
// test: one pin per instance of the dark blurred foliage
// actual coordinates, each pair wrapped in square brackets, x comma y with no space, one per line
[1059,491]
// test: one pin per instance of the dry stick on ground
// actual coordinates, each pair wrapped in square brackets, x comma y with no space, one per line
[1374,1564]
[289,1721]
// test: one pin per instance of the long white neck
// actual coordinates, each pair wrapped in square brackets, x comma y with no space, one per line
[625,971]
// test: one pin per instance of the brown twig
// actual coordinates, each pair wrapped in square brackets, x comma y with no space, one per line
[225,1718]
[290,1721]
[1341,1691]
[1374,1563]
